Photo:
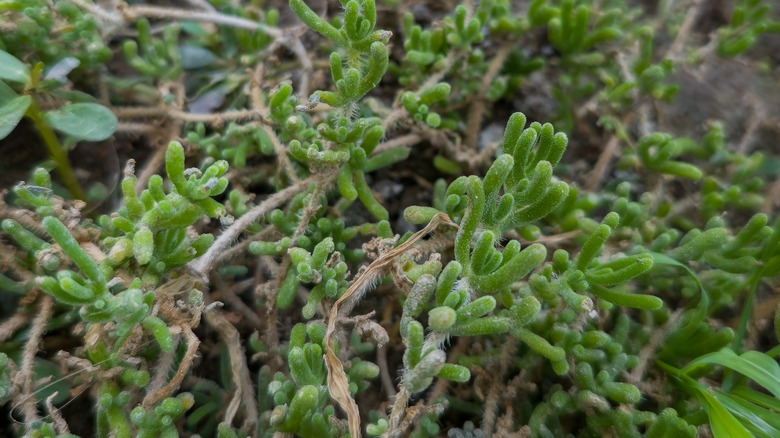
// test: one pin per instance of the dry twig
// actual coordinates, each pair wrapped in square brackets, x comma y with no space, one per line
[26,373]
[60,426]
[132,13]
[184,367]
[479,103]
[203,264]
[497,387]
[12,324]
[238,368]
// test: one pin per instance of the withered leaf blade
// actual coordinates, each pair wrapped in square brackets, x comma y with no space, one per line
[338,386]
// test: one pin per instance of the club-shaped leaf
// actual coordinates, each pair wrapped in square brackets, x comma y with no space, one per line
[87,121]
[12,69]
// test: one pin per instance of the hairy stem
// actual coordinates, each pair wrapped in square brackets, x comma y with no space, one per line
[203,264]
[29,409]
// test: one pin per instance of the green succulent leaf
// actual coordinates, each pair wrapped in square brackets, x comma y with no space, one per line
[634,301]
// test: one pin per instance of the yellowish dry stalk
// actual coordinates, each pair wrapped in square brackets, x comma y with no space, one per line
[338,385]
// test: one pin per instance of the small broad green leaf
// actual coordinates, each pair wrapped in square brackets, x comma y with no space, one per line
[46,369]
[87,121]
[194,57]
[12,69]
[60,71]
[6,93]
[11,113]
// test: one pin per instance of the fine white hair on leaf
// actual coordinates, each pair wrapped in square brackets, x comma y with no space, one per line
[368,280]
[463,283]
[435,340]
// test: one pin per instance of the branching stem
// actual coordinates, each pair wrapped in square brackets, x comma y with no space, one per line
[145,11]
[204,263]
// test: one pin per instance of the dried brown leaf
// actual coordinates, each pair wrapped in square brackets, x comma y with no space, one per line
[337,378]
